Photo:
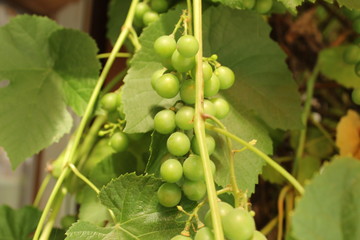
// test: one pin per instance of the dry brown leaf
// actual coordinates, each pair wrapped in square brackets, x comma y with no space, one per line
[348,135]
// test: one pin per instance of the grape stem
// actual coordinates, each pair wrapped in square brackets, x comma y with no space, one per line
[70,153]
[118,55]
[199,124]
[82,177]
[41,191]
[259,153]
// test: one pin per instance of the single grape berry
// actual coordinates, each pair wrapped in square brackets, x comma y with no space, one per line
[167,86]
[258,236]
[155,76]
[182,64]
[249,4]
[187,46]
[212,86]
[226,77]
[180,237]
[209,108]
[222,107]
[165,46]
[169,194]
[164,122]
[238,224]
[224,209]
[150,17]
[193,168]
[184,118]
[263,6]
[204,233]
[207,71]
[171,170]
[141,9]
[178,144]
[355,96]
[210,144]
[159,6]
[194,191]
[119,141]
[351,54]
[187,91]
[110,101]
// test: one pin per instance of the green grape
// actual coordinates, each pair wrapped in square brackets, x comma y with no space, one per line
[165,46]
[222,107]
[141,9]
[178,144]
[155,76]
[258,236]
[193,168]
[209,108]
[226,77]
[187,91]
[352,54]
[207,71]
[356,25]
[224,209]
[164,122]
[182,64]
[167,86]
[249,4]
[184,118]
[180,237]
[171,170]
[204,233]
[238,224]
[166,62]
[212,86]
[263,6]
[110,101]
[357,69]
[194,191]
[159,6]
[150,17]
[119,141]
[355,96]
[187,46]
[169,194]
[210,143]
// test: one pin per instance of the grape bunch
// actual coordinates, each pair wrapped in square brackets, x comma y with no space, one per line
[147,12]
[183,172]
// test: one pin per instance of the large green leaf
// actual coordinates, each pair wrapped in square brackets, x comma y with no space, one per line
[330,208]
[333,66]
[18,224]
[45,68]
[138,213]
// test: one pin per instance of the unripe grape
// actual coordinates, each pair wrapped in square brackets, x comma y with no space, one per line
[184,118]
[178,144]
[165,46]
[141,9]
[209,108]
[159,6]
[249,4]
[164,121]
[210,143]
[263,6]
[150,17]
[258,236]
[110,101]
[222,107]
[212,86]
[155,76]
[187,91]
[187,46]
[171,170]
[182,64]
[238,224]
[204,233]
[119,141]
[167,86]
[224,209]
[226,77]
[169,194]
[207,71]
[194,191]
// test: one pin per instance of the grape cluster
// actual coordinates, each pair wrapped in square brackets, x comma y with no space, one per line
[183,172]
[148,12]
[260,6]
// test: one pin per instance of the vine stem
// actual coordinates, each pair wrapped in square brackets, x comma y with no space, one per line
[82,177]
[70,153]
[267,159]
[118,55]
[199,125]
[41,191]
[305,115]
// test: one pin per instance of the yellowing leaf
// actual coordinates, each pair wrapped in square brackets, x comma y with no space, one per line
[348,135]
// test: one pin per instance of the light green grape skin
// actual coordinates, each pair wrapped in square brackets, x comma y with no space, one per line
[212,86]
[209,108]
[249,4]
[184,118]
[181,237]
[222,107]
[187,91]
[258,236]
[150,17]
[224,209]
[165,46]
[207,71]
[159,6]
[194,191]
[226,77]
[182,64]
[156,75]
[210,144]
[204,233]
[263,6]
[141,9]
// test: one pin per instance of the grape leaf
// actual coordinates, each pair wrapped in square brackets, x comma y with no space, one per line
[332,65]
[117,11]
[18,224]
[138,214]
[238,4]
[351,4]
[49,67]
[330,208]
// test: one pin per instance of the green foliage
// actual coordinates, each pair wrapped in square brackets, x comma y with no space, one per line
[330,207]
[47,71]
[18,224]
[117,11]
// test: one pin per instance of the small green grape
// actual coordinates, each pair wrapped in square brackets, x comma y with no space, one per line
[169,194]
[207,71]
[212,86]
[182,64]
[165,46]
[355,96]
[178,144]
[224,209]
[180,237]
[141,9]
[164,122]
[263,6]
[167,86]
[150,17]
[171,170]
[209,108]
[187,91]
[187,46]
[119,141]
[210,143]
[155,76]
[159,6]
[258,236]
[238,224]
[193,168]
[249,4]
[204,233]
[352,54]
[226,77]
[222,107]
[194,191]
[184,118]
[110,101]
